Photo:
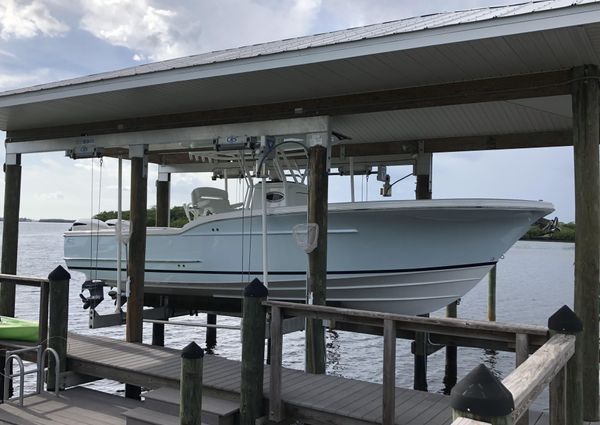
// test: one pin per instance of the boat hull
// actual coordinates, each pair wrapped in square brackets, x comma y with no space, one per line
[409,257]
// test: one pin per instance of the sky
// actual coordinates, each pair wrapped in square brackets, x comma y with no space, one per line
[48,40]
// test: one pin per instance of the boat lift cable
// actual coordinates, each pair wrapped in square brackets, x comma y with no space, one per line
[92,218]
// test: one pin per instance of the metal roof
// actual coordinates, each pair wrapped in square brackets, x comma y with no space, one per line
[368,32]
[477,44]
[402,26]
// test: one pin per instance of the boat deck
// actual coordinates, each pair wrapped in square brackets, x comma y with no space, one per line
[328,399]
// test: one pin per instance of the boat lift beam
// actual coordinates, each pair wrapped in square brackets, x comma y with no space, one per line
[176,139]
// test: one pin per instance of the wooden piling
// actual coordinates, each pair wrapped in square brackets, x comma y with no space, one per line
[450,370]
[420,360]
[586,137]
[481,396]
[190,387]
[564,387]
[10,240]
[10,232]
[253,352]
[389,372]
[163,187]
[521,354]
[59,318]
[492,295]
[423,191]
[317,259]
[137,252]
[211,332]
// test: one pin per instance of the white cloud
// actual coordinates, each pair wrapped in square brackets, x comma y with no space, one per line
[27,19]
[160,29]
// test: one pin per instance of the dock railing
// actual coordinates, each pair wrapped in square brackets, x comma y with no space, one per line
[526,382]
[35,282]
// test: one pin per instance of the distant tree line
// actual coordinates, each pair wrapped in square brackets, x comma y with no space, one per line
[178,218]
[565,234]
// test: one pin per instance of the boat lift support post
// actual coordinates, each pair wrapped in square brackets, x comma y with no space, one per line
[137,250]
[422,170]
[163,204]
[318,153]
[582,386]
[10,236]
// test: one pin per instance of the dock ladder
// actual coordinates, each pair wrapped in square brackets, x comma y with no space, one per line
[40,370]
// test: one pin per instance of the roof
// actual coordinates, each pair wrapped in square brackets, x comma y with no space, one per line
[427,51]
[368,32]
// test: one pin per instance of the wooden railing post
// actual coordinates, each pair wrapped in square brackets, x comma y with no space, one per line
[190,406]
[564,321]
[276,410]
[254,319]
[389,372]
[59,318]
[450,369]
[521,354]
[43,317]
[481,396]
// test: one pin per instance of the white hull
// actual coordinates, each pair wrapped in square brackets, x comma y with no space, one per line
[409,257]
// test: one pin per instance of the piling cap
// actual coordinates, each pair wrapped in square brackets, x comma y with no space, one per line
[192,351]
[256,289]
[59,273]
[482,394]
[565,321]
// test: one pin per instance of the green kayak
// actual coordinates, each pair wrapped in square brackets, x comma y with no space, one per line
[18,329]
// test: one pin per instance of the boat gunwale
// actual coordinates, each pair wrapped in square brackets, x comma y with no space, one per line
[465,204]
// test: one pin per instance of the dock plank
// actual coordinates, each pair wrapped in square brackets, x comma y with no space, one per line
[76,406]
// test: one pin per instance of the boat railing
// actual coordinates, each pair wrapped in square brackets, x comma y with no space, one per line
[525,383]
[36,282]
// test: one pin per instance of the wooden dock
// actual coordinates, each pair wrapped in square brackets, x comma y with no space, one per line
[314,398]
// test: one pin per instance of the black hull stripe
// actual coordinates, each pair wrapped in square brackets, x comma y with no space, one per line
[292,273]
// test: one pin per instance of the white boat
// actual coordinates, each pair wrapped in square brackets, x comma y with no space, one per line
[409,257]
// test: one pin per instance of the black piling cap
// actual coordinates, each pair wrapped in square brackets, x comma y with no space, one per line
[482,394]
[192,351]
[59,273]
[256,289]
[565,321]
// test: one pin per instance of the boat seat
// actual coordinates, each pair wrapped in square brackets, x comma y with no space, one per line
[207,201]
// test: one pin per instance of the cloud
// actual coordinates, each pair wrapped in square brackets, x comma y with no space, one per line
[160,29]
[23,19]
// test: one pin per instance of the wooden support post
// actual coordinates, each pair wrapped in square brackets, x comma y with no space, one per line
[564,386]
[420,360]
[521,354]
[276,409]
[163,187]
[211,332]
[586,137]
[10,231]
[190,387]
[450,371]
[481,396]
[10,239]
[317,259]
[389,372]
[492,295]
[43,318]
[253,352]
[137,251]
[422,170]
[59,318]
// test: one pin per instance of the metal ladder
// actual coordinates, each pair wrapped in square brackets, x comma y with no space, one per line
[40,370]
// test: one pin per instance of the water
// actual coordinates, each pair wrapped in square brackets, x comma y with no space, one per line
[534,279]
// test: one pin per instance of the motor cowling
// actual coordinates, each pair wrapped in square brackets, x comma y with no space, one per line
[95,289]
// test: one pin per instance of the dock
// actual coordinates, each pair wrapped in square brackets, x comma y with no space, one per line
[323,398]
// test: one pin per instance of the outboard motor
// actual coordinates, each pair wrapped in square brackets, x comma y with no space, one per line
[96,293]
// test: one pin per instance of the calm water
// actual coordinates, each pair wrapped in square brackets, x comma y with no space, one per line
[533,281]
